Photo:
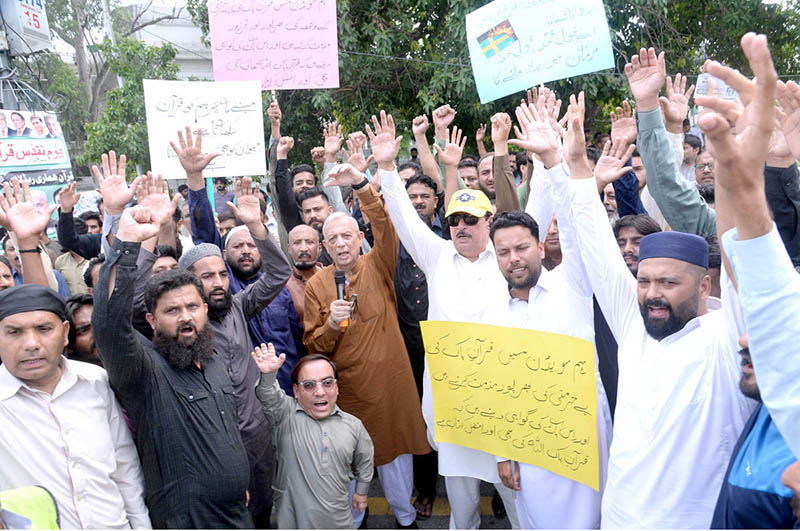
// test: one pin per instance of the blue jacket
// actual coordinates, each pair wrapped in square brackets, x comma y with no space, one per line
[278,323]
[752,495]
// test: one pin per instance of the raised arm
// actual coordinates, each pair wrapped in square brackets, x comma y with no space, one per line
[506,194]
[450,156]
[626,186]
[18,213]
[678,199]
[333,144]
[86,245]
[419,126]
[768,284]
[125,360]
[421,243]
[287,204]
[194,161]
[480,136]
[274,402]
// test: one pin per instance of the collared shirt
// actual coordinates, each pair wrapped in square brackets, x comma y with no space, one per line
[458,290]
[561,303]
[221,201]
[195,466]
[679,409]
[76,444]
[317,459]
[770,291]
[72,270]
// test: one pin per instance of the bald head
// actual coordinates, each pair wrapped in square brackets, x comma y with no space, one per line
[304,246]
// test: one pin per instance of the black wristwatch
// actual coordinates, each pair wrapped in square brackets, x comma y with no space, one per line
[360,185]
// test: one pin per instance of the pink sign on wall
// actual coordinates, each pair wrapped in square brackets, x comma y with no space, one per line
[284,44]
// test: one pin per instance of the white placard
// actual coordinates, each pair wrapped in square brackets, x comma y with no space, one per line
[229,113]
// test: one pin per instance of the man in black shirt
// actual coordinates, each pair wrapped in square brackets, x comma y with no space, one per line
[176,392]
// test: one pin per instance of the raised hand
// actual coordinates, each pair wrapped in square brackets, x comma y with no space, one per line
[137,225]
[419,126]
[19,215]
[480,134]
[623,125]
[333,141]
[454,149]
[535,134]
[742,155]
[274,113]
[675,106]
[501,127]
[154,195]
[575,140]
[247,207]
[69,197]
[789,115]
[646,73]
[318,155]
[285,145]
[266,360]
[112,184]
[191,156]
[442,118]
[385,145]
[611,165]
[344,175]
[355,151]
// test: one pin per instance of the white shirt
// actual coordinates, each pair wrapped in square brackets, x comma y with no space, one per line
[561,303]
[679,409]
[458,290]
[76,444]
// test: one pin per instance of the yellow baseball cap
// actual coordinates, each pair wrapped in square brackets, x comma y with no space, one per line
[469,201]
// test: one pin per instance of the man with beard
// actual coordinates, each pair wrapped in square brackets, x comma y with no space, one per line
[229,315]
[315,209]
[81,346]
[629,231]
[177,392]
[304,249]
[752,496]
[678,402]
[560,302]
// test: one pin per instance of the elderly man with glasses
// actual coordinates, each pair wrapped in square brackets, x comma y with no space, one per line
[319,446]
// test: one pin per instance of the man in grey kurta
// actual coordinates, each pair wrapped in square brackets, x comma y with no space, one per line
[228,316]
[321,449]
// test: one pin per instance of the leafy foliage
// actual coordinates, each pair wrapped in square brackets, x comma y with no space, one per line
[122,126]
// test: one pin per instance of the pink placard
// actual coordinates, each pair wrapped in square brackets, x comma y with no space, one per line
[284,44]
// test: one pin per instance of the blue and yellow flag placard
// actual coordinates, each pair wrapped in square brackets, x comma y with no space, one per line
[516,44]
[520,394]
[496,39]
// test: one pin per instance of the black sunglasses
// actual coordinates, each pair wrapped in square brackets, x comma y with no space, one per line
[469,220]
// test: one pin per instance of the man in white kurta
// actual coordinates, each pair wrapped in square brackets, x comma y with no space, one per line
[459,289]
[679,410]
[560,302]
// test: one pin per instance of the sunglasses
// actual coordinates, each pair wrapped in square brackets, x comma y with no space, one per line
[469,220]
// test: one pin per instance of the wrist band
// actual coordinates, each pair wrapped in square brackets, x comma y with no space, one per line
[360,185]
[34,250]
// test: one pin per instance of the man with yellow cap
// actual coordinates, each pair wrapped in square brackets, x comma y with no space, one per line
[463,279]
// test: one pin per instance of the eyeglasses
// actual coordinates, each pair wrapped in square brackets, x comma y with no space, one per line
[310,385]
[701,167]
[469,220]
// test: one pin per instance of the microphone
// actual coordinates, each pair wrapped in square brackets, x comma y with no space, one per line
[338,276]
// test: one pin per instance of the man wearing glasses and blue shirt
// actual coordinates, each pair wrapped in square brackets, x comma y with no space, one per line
[320,447]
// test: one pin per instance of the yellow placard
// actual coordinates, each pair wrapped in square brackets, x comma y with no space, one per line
[520,394]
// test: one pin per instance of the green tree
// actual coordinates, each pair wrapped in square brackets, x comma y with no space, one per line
[122,126]
[409,57]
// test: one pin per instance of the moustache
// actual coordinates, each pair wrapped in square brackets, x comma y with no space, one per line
[217,291]
[745,354]
[462,232]
[304,254]
[657,303]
